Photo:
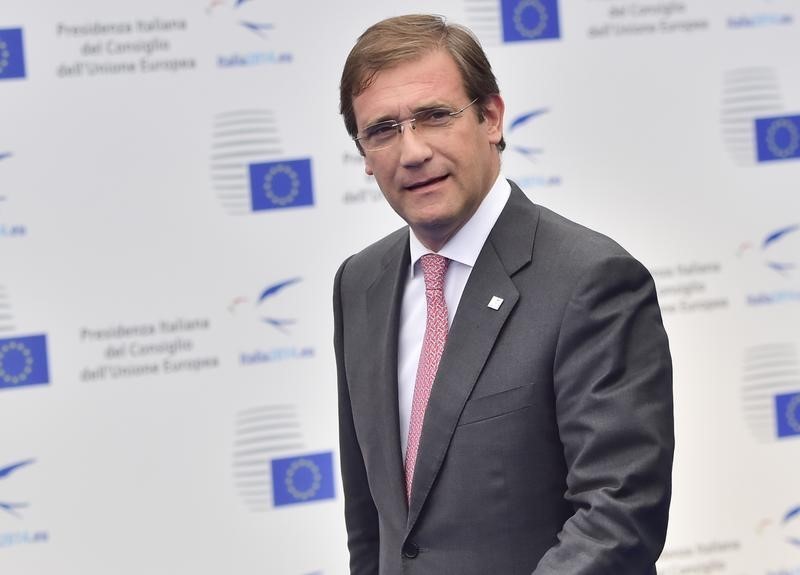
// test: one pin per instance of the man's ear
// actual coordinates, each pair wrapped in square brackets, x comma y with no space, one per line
[367,166]
[493,109]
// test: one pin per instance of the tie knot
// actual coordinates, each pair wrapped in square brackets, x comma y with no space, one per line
[434,267]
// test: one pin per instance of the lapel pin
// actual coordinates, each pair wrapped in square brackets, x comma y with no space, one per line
[495,302]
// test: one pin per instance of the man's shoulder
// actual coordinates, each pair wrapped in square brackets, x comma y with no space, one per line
[370,260]
[569,258]
[571,238]
[555,235]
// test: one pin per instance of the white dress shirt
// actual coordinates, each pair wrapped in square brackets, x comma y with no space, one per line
[462,249]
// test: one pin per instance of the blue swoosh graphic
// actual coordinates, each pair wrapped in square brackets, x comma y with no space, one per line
[4,155]
[6,471]
[781,267]
[279,324]
[256,27]
[793,513]
[523,119]
[275,288]
[775,236]
[11,508]
[529,153]
[789,516]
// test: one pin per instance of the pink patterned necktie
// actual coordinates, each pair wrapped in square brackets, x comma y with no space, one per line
[434,267]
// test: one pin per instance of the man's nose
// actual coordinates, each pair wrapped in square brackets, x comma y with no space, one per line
[414,149]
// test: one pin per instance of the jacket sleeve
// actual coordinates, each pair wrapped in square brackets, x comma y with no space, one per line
[613,396]
[361,516]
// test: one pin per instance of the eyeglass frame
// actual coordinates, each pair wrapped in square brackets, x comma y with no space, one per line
[399,125]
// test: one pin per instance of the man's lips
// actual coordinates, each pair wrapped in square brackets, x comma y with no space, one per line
[423,183]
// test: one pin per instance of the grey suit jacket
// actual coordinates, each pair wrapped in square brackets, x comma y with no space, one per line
[548,438]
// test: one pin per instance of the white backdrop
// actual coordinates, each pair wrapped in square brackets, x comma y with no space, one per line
[177,190]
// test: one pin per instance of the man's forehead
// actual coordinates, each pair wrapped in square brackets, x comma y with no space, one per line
[432,79]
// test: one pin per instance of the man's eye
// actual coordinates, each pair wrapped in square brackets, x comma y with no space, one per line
[383,130]
[434,116]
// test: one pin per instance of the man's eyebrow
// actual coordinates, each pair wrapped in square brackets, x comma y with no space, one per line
[381,120]
[421,108]
[431,106]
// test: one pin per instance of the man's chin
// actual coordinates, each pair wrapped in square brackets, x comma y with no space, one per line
[434,232]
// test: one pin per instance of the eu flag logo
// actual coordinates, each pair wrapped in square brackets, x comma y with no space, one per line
[787,411]
[23,361]
[12,58]
[302,478]
[528,20]
[778,138]
[282,184]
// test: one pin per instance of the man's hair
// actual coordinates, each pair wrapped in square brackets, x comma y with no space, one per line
[402,39]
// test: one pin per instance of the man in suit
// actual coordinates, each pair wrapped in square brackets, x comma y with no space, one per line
[505,383]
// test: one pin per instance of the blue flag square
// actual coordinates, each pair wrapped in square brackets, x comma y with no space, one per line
[787,414]
[281,184]
[778,138]
[302,478]
[528,20]
[12,56]
[23,361]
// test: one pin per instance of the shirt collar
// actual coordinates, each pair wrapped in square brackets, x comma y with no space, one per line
[467,242]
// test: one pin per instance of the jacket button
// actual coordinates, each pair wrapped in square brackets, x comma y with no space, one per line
[410,550]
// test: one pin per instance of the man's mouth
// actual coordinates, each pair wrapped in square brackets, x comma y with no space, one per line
[424,183]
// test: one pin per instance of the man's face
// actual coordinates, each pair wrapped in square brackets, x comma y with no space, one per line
[434,179]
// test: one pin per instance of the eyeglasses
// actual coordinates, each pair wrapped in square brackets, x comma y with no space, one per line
[384,134]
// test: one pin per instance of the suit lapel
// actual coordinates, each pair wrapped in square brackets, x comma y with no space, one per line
[384,299]
[472,336]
